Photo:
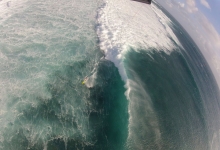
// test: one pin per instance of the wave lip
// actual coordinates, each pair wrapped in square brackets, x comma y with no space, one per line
[123,24]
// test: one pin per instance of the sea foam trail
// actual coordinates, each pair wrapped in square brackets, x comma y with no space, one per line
[123,24]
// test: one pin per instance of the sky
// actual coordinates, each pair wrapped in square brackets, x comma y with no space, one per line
[201,19]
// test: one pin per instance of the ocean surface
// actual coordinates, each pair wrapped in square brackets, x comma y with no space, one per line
[102,75]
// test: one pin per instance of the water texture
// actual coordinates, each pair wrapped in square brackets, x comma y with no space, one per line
[116,74]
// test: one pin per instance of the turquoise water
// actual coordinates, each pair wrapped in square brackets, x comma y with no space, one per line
[183,96]
[175,99]
[155,97]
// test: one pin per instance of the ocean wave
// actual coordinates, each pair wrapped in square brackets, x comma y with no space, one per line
[123,25]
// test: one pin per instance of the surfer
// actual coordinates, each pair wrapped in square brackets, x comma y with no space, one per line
[85,79]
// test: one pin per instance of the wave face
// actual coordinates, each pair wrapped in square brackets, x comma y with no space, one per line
[97,75]
[173,96]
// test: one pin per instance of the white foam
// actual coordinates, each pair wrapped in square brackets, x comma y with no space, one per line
[90,81]
[10,7]
[140,101]
[123,24]
[37,41]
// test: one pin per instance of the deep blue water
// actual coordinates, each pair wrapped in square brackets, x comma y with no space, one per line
[170,101]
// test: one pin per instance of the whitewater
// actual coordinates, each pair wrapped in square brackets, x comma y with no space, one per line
[119,24]
[147,86]
[125,24]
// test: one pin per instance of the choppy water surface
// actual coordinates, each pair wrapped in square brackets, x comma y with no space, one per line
[147,85]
